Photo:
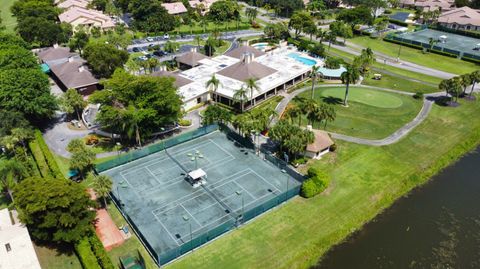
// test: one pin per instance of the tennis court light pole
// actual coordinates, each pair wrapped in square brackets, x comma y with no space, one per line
[240,193]
[286,174]
[186,218]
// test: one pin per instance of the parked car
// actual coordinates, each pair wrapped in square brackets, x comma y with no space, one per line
[159,53]
[166,36]
[136,49]
[150,39]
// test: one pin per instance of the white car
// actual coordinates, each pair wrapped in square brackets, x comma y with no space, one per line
[166,36]
[150,39]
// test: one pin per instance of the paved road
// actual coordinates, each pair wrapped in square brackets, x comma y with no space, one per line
[393,138]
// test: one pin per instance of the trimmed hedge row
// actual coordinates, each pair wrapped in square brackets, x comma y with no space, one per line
[52,164]
[468,59]
[200,31]
[401,23]
[316,183]
[456,31]
[39,158]
[86,255]
[100,252]
[420,47]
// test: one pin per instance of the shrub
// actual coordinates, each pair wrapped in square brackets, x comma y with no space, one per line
[86,255]
[333,147]
[185,122]
[91,140]
[316,183]
[333,63]
[99,251]
[418,95]
[52,164]
[39,158]
[302,160]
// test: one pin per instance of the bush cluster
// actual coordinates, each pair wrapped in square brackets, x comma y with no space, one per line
[316,183]
[99,251]
[86,255]
[184,122]
[52,164]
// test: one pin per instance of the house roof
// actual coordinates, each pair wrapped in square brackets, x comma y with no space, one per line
[86,17]
[206,3]
[54,53]
[431,5]
[461,16]
[74,74]
[190,58]
[179,80]
[247,68]
[73,3]
[21,254]
[241,51]
[322,141]
[175,8]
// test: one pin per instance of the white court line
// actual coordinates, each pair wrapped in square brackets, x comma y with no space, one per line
[153,175]
[266,181]
[244,188]
[221,148]
[168,231]
[188,212]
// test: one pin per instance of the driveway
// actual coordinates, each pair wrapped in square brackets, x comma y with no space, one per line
[58,137]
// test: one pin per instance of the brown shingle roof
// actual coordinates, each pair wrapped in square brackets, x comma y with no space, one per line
[241,51]
[246,69]
[190,58]
[74,74]
[462,16]
[53,54]
[322,141]
[179,80]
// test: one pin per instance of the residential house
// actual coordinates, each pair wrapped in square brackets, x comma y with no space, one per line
[432,5]
[67,4]
[463,18]
[175,8]
[77,16]
[16,248]
[203,5]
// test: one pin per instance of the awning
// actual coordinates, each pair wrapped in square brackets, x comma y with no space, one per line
[196,174]
[45,68]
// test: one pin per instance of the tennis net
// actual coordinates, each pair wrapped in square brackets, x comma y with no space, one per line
[177,162]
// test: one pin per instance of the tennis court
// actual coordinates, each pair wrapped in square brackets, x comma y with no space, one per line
[460,43]
[168,212]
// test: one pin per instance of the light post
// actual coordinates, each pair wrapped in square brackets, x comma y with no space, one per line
[286,176]
[186,218]
[399,51]
[194,157]
[118,148]
[163,140]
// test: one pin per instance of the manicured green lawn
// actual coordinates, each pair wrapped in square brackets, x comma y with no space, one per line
[197,28]
[365,181]
[269,104]
[7,20]
[131,245]
[398,83]
[371,113]
[51,258]
[432,60]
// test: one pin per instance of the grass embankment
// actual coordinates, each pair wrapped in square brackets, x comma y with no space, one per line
[365,181]
[432,60]
[371,113]
[7,20]
[51,258]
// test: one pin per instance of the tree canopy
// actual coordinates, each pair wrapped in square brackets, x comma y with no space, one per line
[13,56]
[137,104]
[54,210]
[27,91]
[150,16]
[223,10]
[358,15]
[104,58]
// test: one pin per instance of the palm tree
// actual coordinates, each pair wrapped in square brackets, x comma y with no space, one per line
[455,87]
[351,75]
[431,43]
[301,101]
[293,112]
[320,34]
[310,108]
[475,77]
[314,76]
[17,136]
[152,63]
[11,172]
[316,114]
[443,86]
[252,86]
[466,80]
[240,96]
[102,184]
[131,120]
[212,85]
[329,113]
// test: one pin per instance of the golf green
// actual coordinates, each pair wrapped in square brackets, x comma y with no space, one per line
[365,96]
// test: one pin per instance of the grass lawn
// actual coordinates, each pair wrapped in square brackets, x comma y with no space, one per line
[432,60]
[371,113]
[378,67]
[51,258]
[131,245]
[269,104]
[365,181]
[7,20]
[197,28]
[398,83]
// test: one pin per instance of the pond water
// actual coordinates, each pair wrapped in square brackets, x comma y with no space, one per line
[436,226]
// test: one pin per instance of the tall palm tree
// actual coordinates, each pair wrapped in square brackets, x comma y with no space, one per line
[102,184]
[443,86]
[455,87]
[240,96]
[351,75]
[293,112]
[431,43]
[314,76]
[212,85]
[131,121]
[475,77]
[310,108]
[252,87]
[11,172]
[301,102]
[329,113]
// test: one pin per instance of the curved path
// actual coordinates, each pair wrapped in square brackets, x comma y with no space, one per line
[393,138]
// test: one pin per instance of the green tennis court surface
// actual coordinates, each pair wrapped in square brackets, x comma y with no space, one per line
[168,212]
[460,43]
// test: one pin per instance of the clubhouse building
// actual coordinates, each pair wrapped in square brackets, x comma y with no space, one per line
[274,71]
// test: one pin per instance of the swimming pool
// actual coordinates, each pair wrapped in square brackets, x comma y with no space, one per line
[303,60]
[260,46]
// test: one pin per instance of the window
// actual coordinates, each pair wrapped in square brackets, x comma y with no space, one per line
[8,247]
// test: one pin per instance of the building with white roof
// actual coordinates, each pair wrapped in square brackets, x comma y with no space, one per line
[16,248]
[274,71]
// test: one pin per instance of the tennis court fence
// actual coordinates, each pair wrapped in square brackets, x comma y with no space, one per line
[207,235]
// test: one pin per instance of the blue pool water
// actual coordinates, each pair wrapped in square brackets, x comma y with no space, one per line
[260,46]
[301,59]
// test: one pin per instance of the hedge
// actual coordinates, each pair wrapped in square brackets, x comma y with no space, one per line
[456,31]
[99,251]
[39,158]
[468,59]
[52,164]
[420,47]
[86,255]
[316,183]
[401,23]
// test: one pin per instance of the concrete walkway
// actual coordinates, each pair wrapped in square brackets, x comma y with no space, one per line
[393,138]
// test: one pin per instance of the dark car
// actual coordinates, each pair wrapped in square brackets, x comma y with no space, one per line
[159,53]
[136,49]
